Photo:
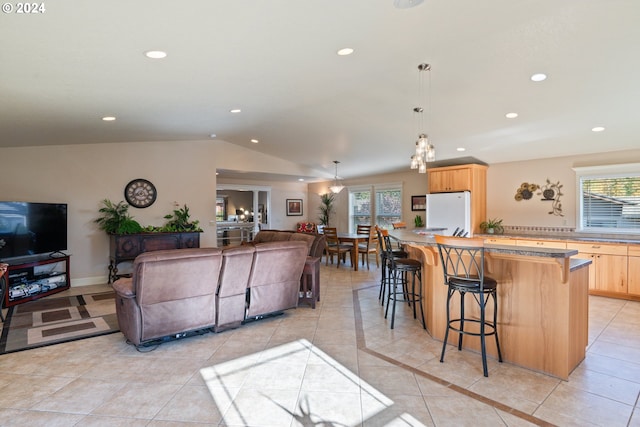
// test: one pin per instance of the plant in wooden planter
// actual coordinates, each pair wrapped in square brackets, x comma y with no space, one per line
[116,219]
[180,220]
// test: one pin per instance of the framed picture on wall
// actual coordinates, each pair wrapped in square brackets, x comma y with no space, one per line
[418,203]
[294,207]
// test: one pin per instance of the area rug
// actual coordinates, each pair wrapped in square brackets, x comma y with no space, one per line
[54,320]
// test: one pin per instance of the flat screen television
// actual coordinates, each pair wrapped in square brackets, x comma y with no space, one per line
[28,228]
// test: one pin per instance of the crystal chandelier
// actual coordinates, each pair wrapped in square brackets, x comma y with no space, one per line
[337,185]
[425,151]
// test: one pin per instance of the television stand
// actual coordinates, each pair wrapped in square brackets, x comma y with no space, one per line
[28,279]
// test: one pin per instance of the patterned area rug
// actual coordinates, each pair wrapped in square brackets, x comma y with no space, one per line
[54,320]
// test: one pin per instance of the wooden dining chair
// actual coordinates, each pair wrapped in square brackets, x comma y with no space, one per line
[334,247]
[370,246]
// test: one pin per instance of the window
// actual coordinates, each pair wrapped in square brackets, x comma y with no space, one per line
[609,198]
[359,208]
[382,202]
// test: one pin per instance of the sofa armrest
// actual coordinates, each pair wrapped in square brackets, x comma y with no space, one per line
[124,288]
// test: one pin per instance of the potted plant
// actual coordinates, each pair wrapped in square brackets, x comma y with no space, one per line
[326,208]
[492,226]
[418,221]
[180,221]
[115,218]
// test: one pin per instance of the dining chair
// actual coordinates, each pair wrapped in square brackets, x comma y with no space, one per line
[334,247]
[370,246]
[463,266]
[399,224]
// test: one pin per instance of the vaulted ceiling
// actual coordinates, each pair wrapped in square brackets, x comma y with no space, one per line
[65,68]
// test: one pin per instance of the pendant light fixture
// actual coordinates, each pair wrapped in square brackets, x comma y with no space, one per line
[425,151]
[337,185]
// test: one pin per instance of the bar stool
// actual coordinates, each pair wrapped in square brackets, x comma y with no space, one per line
[463,266]
[399,268]
[385,278]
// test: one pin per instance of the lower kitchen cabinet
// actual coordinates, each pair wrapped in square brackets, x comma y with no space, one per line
[634,270]
[608,274]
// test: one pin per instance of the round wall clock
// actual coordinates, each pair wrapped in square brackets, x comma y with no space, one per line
[140,193]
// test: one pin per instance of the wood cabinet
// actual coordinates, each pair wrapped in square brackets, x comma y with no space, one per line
[471,178]
[633,269]
[457,178]
[555,244]
[33,278]
[608,270]
[500,241]
[126,247]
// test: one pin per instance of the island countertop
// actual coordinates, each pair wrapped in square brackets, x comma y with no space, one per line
[425,238]
[542,294]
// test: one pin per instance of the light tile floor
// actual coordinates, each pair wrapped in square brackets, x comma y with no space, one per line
[337,365]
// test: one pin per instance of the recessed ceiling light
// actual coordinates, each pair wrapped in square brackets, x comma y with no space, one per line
[406,4]
[511,115]
[109,118]
[235,110]
[345,51]
[538,77]
[598,129]
[461,149]
[155,54]
[255,141]
[213,135]
[301,179]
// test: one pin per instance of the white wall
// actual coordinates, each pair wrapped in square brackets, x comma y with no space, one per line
[503,179]
[83,175]
[413,184]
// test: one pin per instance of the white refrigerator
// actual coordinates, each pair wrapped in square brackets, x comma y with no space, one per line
[451,211]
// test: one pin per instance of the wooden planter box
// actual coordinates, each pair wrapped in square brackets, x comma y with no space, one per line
[126,247]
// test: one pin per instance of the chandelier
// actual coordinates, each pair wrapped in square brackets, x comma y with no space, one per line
[425,151]
[337,185]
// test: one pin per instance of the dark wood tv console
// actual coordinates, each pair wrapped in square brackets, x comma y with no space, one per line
[30,278]
[126,247]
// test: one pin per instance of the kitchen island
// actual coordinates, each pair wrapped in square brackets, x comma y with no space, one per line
[543,303]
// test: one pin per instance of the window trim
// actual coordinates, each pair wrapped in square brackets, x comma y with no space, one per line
[601,171]
[372,189]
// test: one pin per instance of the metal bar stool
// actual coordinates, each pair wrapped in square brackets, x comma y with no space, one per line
[385,278]
[463,266]
[399,268]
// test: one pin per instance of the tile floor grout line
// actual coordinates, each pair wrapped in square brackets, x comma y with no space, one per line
[361,343]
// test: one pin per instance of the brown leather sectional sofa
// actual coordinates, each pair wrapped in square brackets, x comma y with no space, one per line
[315,242]
[173,293]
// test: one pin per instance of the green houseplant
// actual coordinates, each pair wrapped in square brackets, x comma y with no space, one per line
[418,221]
[116,219]
[492,226]
[326,207]
[180,220]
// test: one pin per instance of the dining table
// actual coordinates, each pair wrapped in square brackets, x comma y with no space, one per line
[355,239]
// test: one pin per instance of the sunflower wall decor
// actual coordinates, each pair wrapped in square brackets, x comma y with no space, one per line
[550,192]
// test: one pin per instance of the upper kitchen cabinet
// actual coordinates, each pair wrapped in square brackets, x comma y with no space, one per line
[457,178]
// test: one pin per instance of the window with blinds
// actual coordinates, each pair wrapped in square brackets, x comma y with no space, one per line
[610,203]
[378,204]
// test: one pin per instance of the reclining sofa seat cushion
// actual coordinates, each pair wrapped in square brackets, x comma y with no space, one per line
[170,291]
[232,289]
[274,282]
